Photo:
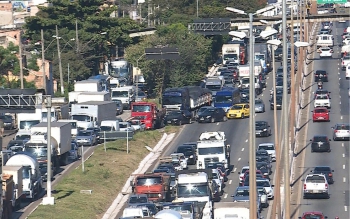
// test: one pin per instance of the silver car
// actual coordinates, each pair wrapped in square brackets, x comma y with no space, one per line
[259,106]
[341,131]
[119,106]
[86,137]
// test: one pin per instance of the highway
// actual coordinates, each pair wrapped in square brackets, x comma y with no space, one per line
[338,158]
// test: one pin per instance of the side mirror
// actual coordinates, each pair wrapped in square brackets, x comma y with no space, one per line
[272,186]
[311,171]
[325,217]
[232,195]
[269,126]
[132,183]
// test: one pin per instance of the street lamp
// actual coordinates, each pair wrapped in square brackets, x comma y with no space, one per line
[252,162]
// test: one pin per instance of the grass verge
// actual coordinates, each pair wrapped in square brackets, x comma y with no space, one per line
[105,174]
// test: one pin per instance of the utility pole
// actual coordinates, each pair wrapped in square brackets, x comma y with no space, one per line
[197,7]
[292,119]
[76,36]
[149,13]
[59,61]
[20,60]
[43,61]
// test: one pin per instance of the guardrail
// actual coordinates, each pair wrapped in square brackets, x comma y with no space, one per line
[115,135]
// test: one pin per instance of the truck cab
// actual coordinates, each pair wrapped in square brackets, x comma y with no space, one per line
[125,94]
[148,114]
[325,40]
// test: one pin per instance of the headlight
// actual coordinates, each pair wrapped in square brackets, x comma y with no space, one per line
[159,195]
[265,130]
[208,117]
[266,174]
[191,156]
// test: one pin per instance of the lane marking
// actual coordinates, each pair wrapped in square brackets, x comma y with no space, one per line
[345,208]
[217,123]
[262,94]
[239,159]
[344,179]
[246,140]
[340,102]
[242,149]
[343,166]
[343,155]
[341,117]
[230,182]
[342,144]
[225,196]
[234,170]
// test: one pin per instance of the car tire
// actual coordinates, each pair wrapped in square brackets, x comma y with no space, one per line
[180,123]
[190,121]
[242,116]
[224,119]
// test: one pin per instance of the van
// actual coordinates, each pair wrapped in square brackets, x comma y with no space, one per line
[347,72]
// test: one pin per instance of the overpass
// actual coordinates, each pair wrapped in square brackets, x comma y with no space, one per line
[220,26]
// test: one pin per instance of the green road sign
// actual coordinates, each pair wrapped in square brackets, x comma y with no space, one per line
[331,1]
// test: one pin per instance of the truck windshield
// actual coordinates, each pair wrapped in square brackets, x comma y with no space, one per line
[106,128]
[170,100]
[44,114]
[230,56]
[22,137]
[81,118]
[148,181]
[141,108]
[180,208]
[120,93]
[190,190]
[223,99]
[28,124]
[213,87]
[259,57]
[212,150]
[37,152]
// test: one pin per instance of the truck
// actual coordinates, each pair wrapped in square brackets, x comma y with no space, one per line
[244,70]
[155,185]
[74,126]
[212,147]
[214,83]
[31,177]
[196,186]
[189,98]
[60,145]
[227,97]
[149,114]
[235,50]
[90,114]
[126,94]
[93,96]
[26,120]
[88,86]
[73,96]
[223,210]
[59,110]
[13,174]
[103,79]
[262,54]
[324,40]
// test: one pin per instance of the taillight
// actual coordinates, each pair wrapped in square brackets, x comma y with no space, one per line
[343,63]
[330,175]
[326,186]
[304,185]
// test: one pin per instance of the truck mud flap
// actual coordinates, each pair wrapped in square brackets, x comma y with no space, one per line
[111,136]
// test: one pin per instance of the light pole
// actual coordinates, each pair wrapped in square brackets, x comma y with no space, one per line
[137,82]
[197,7]
[20,60]
[252,162]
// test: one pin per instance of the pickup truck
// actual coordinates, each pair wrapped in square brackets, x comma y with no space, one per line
[314,185]
[325,40]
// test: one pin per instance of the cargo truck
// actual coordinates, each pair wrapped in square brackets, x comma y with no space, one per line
[223,210]
[126,94]
[214,83]
[149,114]
[227,97]
[73,123]
[31,177]
[60,145]
[14,174]
[88,86]
[59,110]
[93,96]
[235,50]
[90,114]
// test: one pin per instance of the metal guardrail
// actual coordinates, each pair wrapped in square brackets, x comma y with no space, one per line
[116,135]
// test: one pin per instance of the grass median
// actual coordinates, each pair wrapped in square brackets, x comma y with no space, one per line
[105,174]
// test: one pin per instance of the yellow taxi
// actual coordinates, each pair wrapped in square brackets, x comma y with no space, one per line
[240,110]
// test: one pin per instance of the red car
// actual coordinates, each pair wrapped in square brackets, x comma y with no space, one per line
[320,114]
[313,215]
[247,173]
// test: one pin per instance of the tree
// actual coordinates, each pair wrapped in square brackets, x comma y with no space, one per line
[195,53]
[8,60]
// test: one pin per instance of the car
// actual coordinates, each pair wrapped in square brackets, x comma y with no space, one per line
[169,167]
[270,148]
[326,170]
[126,126]
[177,117]
[242,173]
[73,152]
[218,179]
[138,199]
[341,131]
[220,167]
[85,137]
[246,173]
[320,143]
[266,159]
[189,152]
[278,102]
[186,209]
[268,187]
[325,52]
[16,145]
[322,100]
[141,96]
[321,75]
[278,91]
[259,106]
[240,110]
[315,185]
[346,41]
[263,196]
[151,207]
[262,129]
[260,153]
[137,125]
[201,110]
[322,92]
[213,115]
[345,61]
[97,132]
[180,157]
[9,122]
[320,114]
[265,168]
[162,170]
[119,106]
[242,195]
[313,214]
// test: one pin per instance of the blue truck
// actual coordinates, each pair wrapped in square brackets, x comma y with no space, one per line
[227,97]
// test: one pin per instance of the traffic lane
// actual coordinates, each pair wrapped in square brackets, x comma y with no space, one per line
[333,159]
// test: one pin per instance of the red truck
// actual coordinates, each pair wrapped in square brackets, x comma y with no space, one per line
[155,185]
[148,113]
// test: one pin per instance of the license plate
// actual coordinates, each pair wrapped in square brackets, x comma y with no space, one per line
[169,122]
[320,118]
[202,118]
[316,191]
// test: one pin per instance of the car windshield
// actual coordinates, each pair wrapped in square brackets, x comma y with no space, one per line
[321,97]
[320,138]
[175,113]
[134,200]
[22,137]
[260,124]
[223,99]
[261,191]
[343,127]
[215,175]
[322,169]
[82,118]
[258,102]
[261,166]
[148,181]
[28,124]
[237,107]
[209,110]
[180,208]
[120,93]
[82,133]
[320,110]
[141,108]
[242,192]
[315,179]
[267,147]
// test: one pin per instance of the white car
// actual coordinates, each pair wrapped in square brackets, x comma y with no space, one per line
[137,125]
[325,52]
[346,40]
[268,188]
[347,71]
[315,185]
[181,158]
[124,126]
[241,174]
[322,100]
[270,148]
[263,196]
[217,179]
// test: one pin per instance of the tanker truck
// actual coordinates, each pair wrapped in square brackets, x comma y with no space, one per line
[168,214]
[31,177]
[60,145]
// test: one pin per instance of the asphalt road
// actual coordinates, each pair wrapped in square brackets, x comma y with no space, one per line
[338,158]
[28,207]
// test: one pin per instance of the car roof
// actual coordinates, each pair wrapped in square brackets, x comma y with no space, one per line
[263,144]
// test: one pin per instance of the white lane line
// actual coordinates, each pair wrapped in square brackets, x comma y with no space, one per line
[230,182]
[344,179]
[225,196]
[239,159]
[340,102]
[242,149]
[262,94]
[246,140]
[343,155]
[341,117]
[342,144]
[217,123]
[345,208]
[234,170]
[343,166]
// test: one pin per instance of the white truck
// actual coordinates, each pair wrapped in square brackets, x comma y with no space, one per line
[244,70]
[59,110]
[31,177]
[94,96]
[325,40]
[214,83]
[168,214]
[212,147]
[88,86]
[73,96]
[315,185]
[16,173]
[60,145]
[91,113]
[230,52]
[345,49]
[74,126]
[196,186]
[224,210]
[26,120]
[126,94]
